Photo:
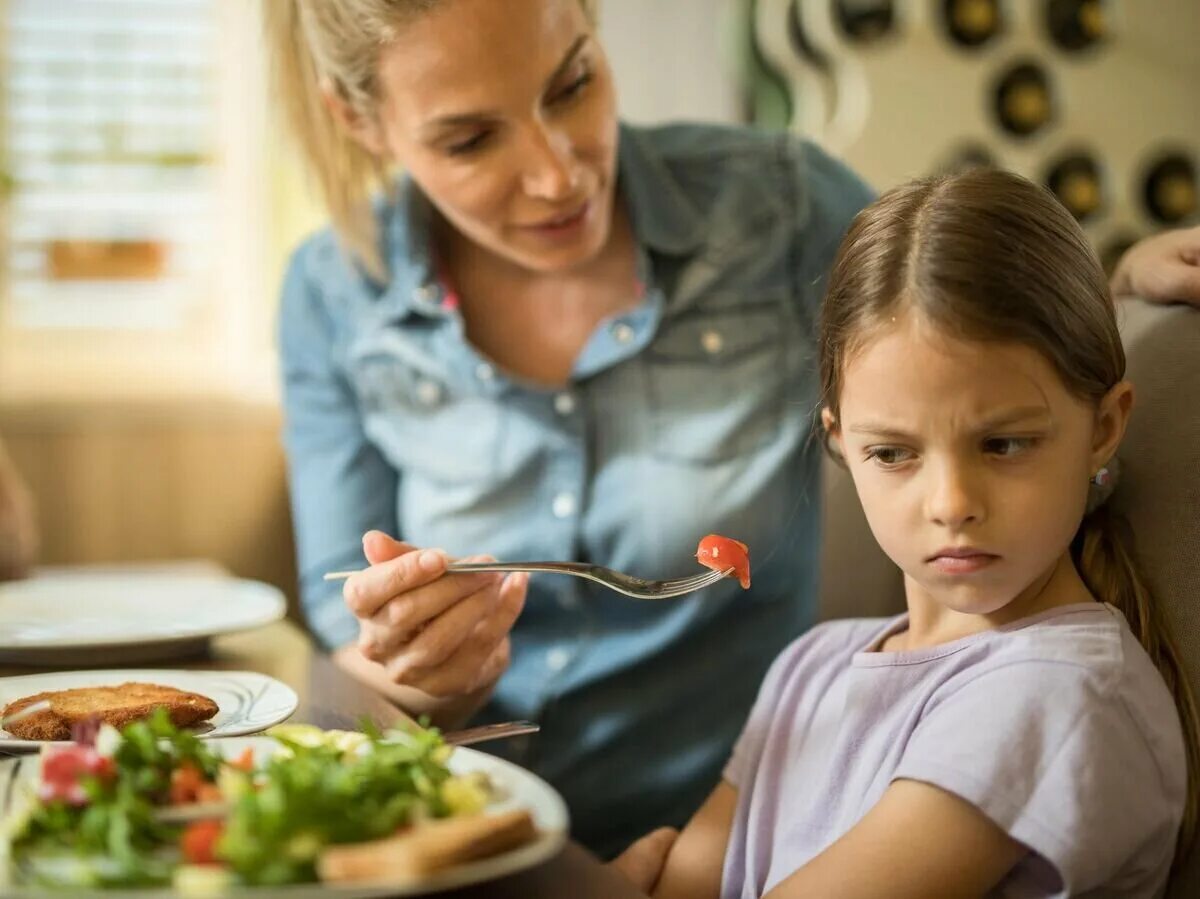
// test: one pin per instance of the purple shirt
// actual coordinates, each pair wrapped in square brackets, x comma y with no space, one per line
[1057,727]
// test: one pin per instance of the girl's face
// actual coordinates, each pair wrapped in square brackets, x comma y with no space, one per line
[971,459]
[504,114]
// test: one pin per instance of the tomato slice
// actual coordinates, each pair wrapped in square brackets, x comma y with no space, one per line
[199,842]
[722,553]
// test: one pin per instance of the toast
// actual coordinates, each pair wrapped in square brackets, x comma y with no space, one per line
[426,848]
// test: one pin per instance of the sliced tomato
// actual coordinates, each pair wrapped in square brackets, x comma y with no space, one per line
[722,553]
[63,769]
[244,762]
[199,842]
[186,781]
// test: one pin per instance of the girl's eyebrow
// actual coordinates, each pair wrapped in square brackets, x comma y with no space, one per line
[1005,418]
[458,119]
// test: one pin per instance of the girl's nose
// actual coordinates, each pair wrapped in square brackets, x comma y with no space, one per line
[954,498]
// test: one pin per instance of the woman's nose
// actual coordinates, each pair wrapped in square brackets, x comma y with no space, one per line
[551,172]
[955,498]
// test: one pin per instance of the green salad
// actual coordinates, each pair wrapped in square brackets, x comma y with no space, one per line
[152,805]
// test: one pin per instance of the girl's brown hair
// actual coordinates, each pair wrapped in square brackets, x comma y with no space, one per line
[335,45]
[988,255]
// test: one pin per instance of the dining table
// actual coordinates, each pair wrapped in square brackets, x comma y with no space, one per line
[331,698]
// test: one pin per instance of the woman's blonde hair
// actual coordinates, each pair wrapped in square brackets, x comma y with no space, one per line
[335,45]
[988,255]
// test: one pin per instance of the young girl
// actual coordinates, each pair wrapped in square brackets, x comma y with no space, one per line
[1025,729]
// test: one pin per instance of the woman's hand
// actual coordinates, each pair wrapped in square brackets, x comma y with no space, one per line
[18,522]
[1164,268]
[446,635]
[643,862]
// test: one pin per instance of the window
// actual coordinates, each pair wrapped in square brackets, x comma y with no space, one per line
[132,226]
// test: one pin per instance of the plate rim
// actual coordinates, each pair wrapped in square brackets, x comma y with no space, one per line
[274,609]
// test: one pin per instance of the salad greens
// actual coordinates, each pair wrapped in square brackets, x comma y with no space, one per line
[97,821]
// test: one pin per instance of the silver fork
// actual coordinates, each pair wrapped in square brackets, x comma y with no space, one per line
[638,588]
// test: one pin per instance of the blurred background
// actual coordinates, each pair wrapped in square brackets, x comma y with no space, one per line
[148,202]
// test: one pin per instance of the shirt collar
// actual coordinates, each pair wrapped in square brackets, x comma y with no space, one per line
[664,218]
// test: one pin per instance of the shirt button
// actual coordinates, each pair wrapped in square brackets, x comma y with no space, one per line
[568,602]
[428,393]
[622,333]
[424,293]
[564,404]
[713,342]
[557,659]
[563,506]
[484,372]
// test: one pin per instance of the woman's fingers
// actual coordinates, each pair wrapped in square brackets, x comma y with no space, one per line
[478,659]
[367,591]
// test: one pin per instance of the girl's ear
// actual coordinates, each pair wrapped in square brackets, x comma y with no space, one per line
[829,422]
[363,130]
[1112,417]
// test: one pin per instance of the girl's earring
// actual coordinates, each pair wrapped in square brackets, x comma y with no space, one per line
[1102,478]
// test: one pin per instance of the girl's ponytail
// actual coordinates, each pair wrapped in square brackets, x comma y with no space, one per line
[1106,564]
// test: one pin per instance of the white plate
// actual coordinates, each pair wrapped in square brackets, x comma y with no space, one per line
[248,702]
[81,617]
[522,789]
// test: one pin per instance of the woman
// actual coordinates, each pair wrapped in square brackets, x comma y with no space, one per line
[554,338]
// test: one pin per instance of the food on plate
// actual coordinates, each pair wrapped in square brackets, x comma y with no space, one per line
[432,847]
[114,705]
[153,805]
[722,554]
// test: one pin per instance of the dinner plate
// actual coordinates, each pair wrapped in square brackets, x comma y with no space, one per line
[520,788]
[97,616]
[248,702]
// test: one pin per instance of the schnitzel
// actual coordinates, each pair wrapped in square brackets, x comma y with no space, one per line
[118,706]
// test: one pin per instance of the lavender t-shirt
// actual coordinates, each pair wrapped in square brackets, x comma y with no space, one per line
[1057,727]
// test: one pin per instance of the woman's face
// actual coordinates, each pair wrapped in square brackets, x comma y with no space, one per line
[504,114]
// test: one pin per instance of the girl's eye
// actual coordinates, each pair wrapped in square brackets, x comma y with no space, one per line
[888,456]
[571,90]
[474,142]
[1007,446]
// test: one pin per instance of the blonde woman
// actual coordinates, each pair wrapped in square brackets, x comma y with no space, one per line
[554,337]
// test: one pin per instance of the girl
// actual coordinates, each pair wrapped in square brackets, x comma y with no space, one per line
[1026,728]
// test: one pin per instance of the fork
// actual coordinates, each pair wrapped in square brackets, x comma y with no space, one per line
[638,588]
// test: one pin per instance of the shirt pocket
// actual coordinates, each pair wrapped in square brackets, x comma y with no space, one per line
[715,384]
[426,428]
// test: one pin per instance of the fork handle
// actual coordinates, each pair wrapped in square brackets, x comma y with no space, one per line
[561,567]
[460,567]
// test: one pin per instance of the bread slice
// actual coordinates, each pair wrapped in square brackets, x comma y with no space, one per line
[116,705]
[426,848]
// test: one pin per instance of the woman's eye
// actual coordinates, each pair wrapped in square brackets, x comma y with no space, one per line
[573,89]
[1007,446]
[886,456]
[474,142]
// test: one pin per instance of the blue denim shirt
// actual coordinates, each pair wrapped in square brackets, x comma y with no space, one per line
[690,414]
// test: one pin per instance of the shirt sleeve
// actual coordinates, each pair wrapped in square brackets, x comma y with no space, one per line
[748,749]
[1057,763]
[339,483]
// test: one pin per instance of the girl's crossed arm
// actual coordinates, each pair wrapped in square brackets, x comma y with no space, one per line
[917,841]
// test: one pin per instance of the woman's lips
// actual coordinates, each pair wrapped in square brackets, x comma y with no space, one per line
[561,225]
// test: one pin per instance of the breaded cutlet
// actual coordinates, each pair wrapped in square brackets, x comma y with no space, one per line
[118,706]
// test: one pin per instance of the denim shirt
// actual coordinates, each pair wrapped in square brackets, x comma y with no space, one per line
[692,413]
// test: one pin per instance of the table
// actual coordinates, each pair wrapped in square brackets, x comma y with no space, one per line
[330,698]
